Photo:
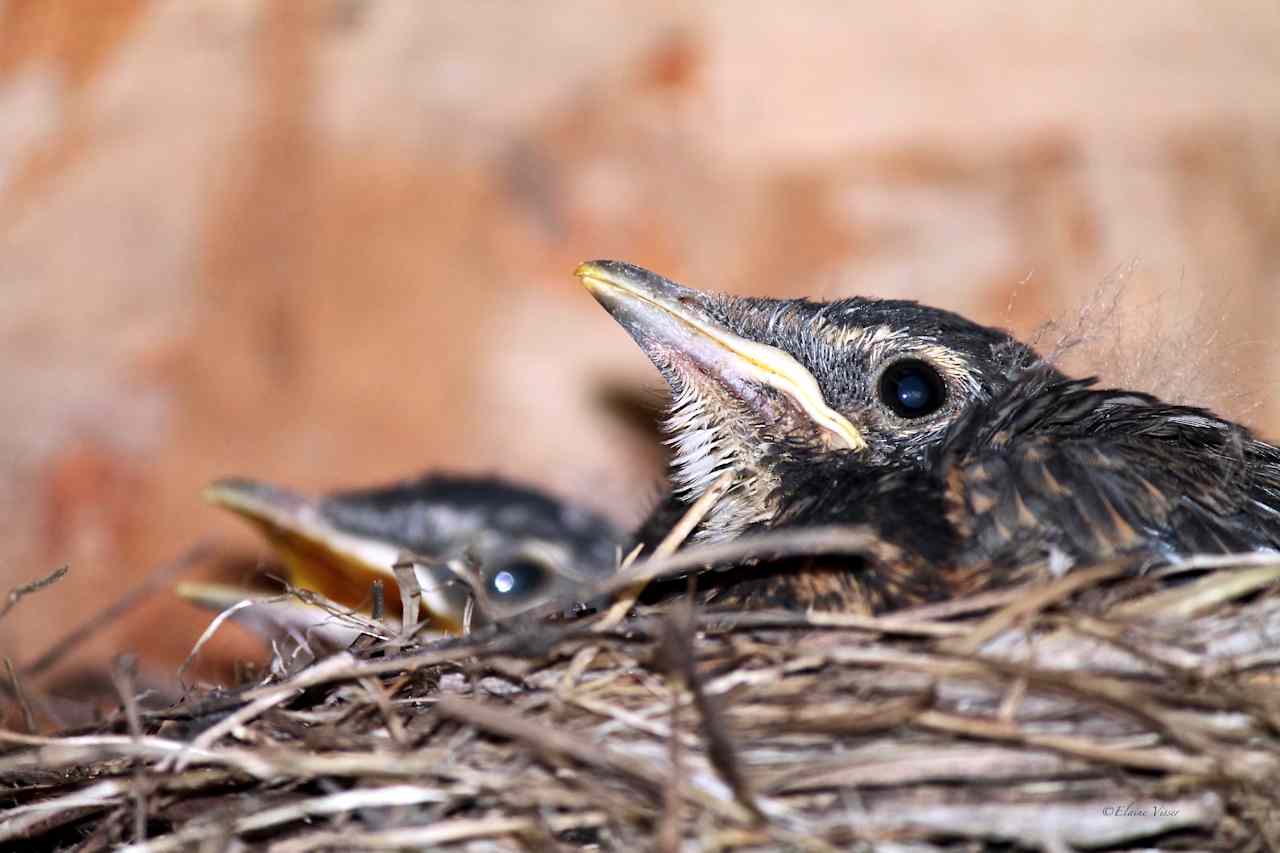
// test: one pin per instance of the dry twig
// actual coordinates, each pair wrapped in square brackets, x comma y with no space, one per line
[1015,718]
[21,591]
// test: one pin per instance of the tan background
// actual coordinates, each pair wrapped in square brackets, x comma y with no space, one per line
[329,243]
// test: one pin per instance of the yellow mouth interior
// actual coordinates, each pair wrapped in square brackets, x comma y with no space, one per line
[338,576]
[335,564]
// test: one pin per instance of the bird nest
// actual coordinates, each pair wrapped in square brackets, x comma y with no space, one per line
[1101,710]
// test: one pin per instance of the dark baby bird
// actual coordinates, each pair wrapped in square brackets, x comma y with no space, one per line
[506,546]
[973,460]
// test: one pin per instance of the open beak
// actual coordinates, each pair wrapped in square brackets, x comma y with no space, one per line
[668,319]
[336,563]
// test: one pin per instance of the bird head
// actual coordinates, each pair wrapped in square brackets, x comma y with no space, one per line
[761,384]
[504,547]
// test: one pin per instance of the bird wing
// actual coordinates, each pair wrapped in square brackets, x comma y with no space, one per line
[1081,475]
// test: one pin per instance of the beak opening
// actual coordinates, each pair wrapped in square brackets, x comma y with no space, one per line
[662,315]
[338,564]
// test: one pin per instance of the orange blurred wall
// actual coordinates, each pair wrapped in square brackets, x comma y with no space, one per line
[330,243]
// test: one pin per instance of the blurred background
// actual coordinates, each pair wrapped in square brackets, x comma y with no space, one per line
[330,243]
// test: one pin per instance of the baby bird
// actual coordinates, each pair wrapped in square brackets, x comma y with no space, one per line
[507,547]
[973,460]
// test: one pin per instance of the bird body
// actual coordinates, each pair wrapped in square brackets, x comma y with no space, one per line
[972,460]
[1052,475]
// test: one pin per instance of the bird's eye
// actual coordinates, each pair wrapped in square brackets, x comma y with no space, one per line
[516,580]
[912,389]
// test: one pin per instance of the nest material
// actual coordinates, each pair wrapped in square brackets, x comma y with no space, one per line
[1089,713]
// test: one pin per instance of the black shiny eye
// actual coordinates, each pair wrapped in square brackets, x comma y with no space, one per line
[912,389]
[516,580]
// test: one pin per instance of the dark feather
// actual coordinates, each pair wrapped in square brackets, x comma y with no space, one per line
[1054,472]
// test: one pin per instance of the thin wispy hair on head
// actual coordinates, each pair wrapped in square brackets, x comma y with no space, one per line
[1162,337]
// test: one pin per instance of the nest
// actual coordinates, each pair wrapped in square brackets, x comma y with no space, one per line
[1101,710]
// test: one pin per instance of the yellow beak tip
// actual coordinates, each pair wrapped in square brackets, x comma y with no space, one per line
[589,274]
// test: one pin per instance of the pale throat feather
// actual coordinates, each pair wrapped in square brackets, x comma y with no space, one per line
[703,448]
[699,454]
